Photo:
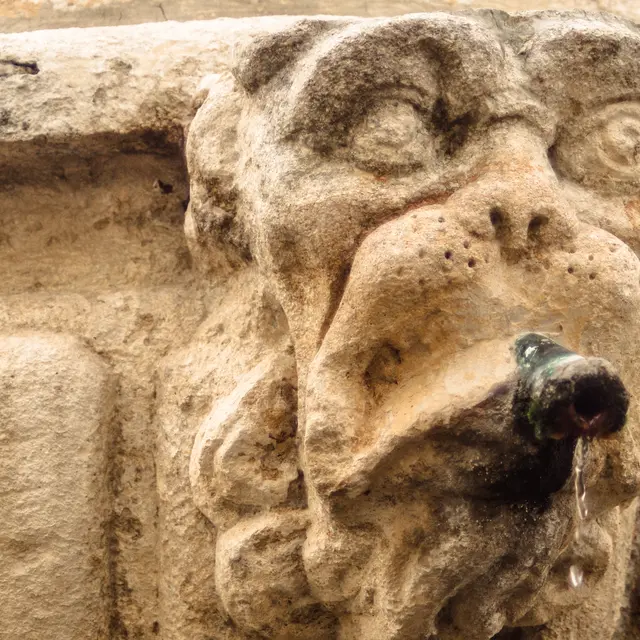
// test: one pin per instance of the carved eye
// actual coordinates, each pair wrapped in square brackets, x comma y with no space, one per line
[606,147]
[392,137]
[620,142]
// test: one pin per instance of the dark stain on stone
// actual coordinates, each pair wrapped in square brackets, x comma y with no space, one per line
[9,67]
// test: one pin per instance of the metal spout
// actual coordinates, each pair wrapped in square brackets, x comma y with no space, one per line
[563,395]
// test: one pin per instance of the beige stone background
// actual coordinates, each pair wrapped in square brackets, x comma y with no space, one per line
[28,15]
[161,269]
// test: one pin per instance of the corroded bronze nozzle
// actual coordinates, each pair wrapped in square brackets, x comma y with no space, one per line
[564,395]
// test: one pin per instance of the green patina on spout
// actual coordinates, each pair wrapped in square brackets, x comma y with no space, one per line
[564,395]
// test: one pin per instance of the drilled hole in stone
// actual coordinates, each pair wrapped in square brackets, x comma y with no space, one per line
[496,217]
[570,270]
[440,219]
[535,226]
[592,276]
[448,255]
[472,263]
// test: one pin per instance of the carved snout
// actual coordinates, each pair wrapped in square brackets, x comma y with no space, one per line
[564,395]
[517,199]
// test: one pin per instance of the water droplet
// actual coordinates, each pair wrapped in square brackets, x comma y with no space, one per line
[576,576]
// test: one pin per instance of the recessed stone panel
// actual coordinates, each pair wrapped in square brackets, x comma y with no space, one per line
[55,405]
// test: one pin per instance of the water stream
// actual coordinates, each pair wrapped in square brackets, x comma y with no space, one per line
[576,573]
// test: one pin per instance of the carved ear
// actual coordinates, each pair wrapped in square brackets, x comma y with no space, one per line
[232,448]
[258,61]
[214,233]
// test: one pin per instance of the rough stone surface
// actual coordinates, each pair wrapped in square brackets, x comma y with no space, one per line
[30,15]
[308,380]
[55,409]
[392,181]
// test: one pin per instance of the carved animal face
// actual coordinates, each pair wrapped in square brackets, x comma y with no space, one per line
[418,191]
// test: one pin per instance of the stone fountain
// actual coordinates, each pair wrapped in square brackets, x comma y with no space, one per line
[266,282]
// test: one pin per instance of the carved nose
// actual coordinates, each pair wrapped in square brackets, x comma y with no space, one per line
[526,211]
[519,228]
[564,395]
[519,195]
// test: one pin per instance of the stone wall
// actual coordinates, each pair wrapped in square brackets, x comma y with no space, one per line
[245,388]
[29,15]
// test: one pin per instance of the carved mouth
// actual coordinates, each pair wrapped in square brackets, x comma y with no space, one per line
[453,424]
[440,428]
[378,419]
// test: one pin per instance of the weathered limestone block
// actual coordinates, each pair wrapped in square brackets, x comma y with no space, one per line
[32,15]
[56,406]
[98,251]
[124,89]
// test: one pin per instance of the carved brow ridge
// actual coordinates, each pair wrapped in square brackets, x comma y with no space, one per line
[607,56]
[429,53]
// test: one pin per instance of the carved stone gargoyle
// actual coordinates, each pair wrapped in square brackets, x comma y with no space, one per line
[415,193]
